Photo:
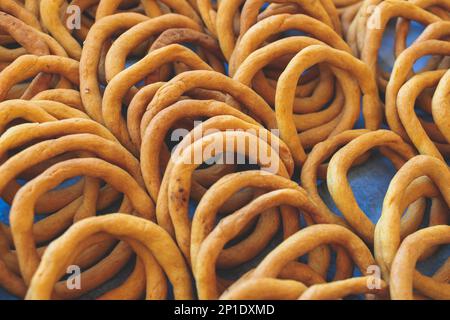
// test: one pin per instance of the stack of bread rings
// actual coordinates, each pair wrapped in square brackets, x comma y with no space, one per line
[174,149]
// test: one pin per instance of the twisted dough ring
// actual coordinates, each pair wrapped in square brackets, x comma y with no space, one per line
[109,150]
[340,289]
[207,251]
[261,31]
[27,66]
[179,178]
[122,82]
[286,87]
[403,266]
[384,12]
[204,217]
[306,240]
[49,12]
[207,209]
[158,128]
[100,32]
[338,184]
[387,237]
[211,54]
[405,102]
[402,27]
[153,237]
[441,106]
[249,73]
[403,65]
[175,88]
[315,9]
[322,151]
[228,9]
[22,209]
[115,59]
[36,111]
[264,226]
[230,226]
[309,122]
[23,134]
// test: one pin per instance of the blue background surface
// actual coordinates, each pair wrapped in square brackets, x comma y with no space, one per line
[369,183]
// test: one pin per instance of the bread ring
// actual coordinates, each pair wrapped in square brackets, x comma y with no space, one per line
[130,39]
[21,215]
[402,66]
[410,121]
[230,226]
[175,88]
[403,266]
[154,238]
[122,82]
[28,66]
[387,243]
[309,238]
[285,87]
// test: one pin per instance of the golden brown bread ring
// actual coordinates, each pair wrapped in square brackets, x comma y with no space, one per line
[123,81]
[98,35]
[250,73]
[406,99]
[261,31]
[339,186]
[401,69]
[208,48]
[303,122]
[387,235]
[230,226]
[313,168]
[28,66]
[24,133]
[314,9]
[116,57]
[403,25]
[207,209]
[156,131]
[309,238]
[153,237]
[340,289]
[403,271]
[182,83]
[38,111]
[237,200]
[83,140]
[309,56]
[385,11]
[21,215]
[178,190]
